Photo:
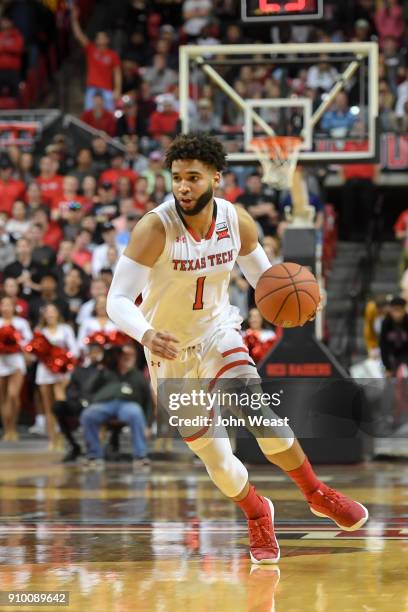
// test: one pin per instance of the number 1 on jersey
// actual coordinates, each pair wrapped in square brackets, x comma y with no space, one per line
[198,302]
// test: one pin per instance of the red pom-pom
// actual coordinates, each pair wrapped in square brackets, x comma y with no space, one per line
[10,340]
[55,358]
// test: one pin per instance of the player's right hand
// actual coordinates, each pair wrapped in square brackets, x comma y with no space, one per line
[162,344]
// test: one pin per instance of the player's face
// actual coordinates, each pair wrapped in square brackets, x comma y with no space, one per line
[193,185]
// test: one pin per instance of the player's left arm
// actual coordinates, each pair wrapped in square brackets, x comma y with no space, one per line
[251,259]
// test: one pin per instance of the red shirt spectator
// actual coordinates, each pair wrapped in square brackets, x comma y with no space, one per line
[98,117]
[162,123]
[51,183]
[401,228]
[117,170]
[10,189]
[101,63]
[389,21]
[11,46]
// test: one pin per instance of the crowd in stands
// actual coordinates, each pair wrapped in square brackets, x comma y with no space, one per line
[66,214]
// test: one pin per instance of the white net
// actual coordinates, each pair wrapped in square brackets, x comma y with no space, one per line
[278,156]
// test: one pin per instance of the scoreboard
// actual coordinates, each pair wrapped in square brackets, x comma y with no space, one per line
[281,10]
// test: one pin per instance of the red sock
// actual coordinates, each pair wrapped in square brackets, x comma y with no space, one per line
[252,505]
[305,478]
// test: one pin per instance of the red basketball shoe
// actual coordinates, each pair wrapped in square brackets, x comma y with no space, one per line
[263,545]
[348,514]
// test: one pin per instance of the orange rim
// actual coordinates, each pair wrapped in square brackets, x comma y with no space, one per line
[286,145]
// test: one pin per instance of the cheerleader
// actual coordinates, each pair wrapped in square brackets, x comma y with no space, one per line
[52,386]
[12,370]
[98,321]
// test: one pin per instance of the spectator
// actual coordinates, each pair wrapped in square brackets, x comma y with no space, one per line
[323,75]
[159,77]
[42,254]
[389,20]
[97,289]
[72,220]
[81,253]
[26,167]
[103,66]
[107,205]
[146,104]
[160,193]
[84,167]
[130,123]
[18,223]
[89,187]
[51,183]
[134,159]
[10,189]
[27,272]
[130,77]
[394,337]
[232,191]
[98,117]
[77,398]
[259,201]
[69,194]
[7,248]
[118,391]
[401,234]
[52,386]
[374,313]
[73,293]
[98,321]
[126,207]
[402,96]
[339,121]
[34,197]
[386,104]
[154,170]
[196,15]
[100,154]
[117,170]
[100,254]
[11,289]
[52,233]
[164,121]
[48,289]
[12,370]
[65,261]
[206,120]
[11,55]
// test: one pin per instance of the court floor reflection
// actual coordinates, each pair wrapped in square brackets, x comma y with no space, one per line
[166,540]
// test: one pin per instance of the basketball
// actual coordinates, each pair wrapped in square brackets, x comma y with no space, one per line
[287,295]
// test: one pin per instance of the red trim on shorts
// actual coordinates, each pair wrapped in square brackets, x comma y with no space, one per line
[227,367]
[239,349]
[202,431]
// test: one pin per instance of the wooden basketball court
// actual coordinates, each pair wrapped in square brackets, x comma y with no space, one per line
[166,539]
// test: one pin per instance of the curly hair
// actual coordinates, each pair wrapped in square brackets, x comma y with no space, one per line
[203,147]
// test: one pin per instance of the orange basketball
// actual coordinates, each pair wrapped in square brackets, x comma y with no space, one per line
[287,295]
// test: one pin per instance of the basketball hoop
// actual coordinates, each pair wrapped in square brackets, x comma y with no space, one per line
[278,156]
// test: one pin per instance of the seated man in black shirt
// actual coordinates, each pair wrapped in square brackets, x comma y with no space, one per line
[118,391]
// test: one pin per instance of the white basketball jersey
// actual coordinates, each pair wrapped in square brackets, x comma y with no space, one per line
[187,292]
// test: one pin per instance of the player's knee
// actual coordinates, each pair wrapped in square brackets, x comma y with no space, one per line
[272,446]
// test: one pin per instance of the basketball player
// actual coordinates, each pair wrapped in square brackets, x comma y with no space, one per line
[180,256]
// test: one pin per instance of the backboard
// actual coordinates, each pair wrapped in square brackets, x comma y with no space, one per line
[267,88]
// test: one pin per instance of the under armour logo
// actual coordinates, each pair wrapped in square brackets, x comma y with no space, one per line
[181,239]
[155,364]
